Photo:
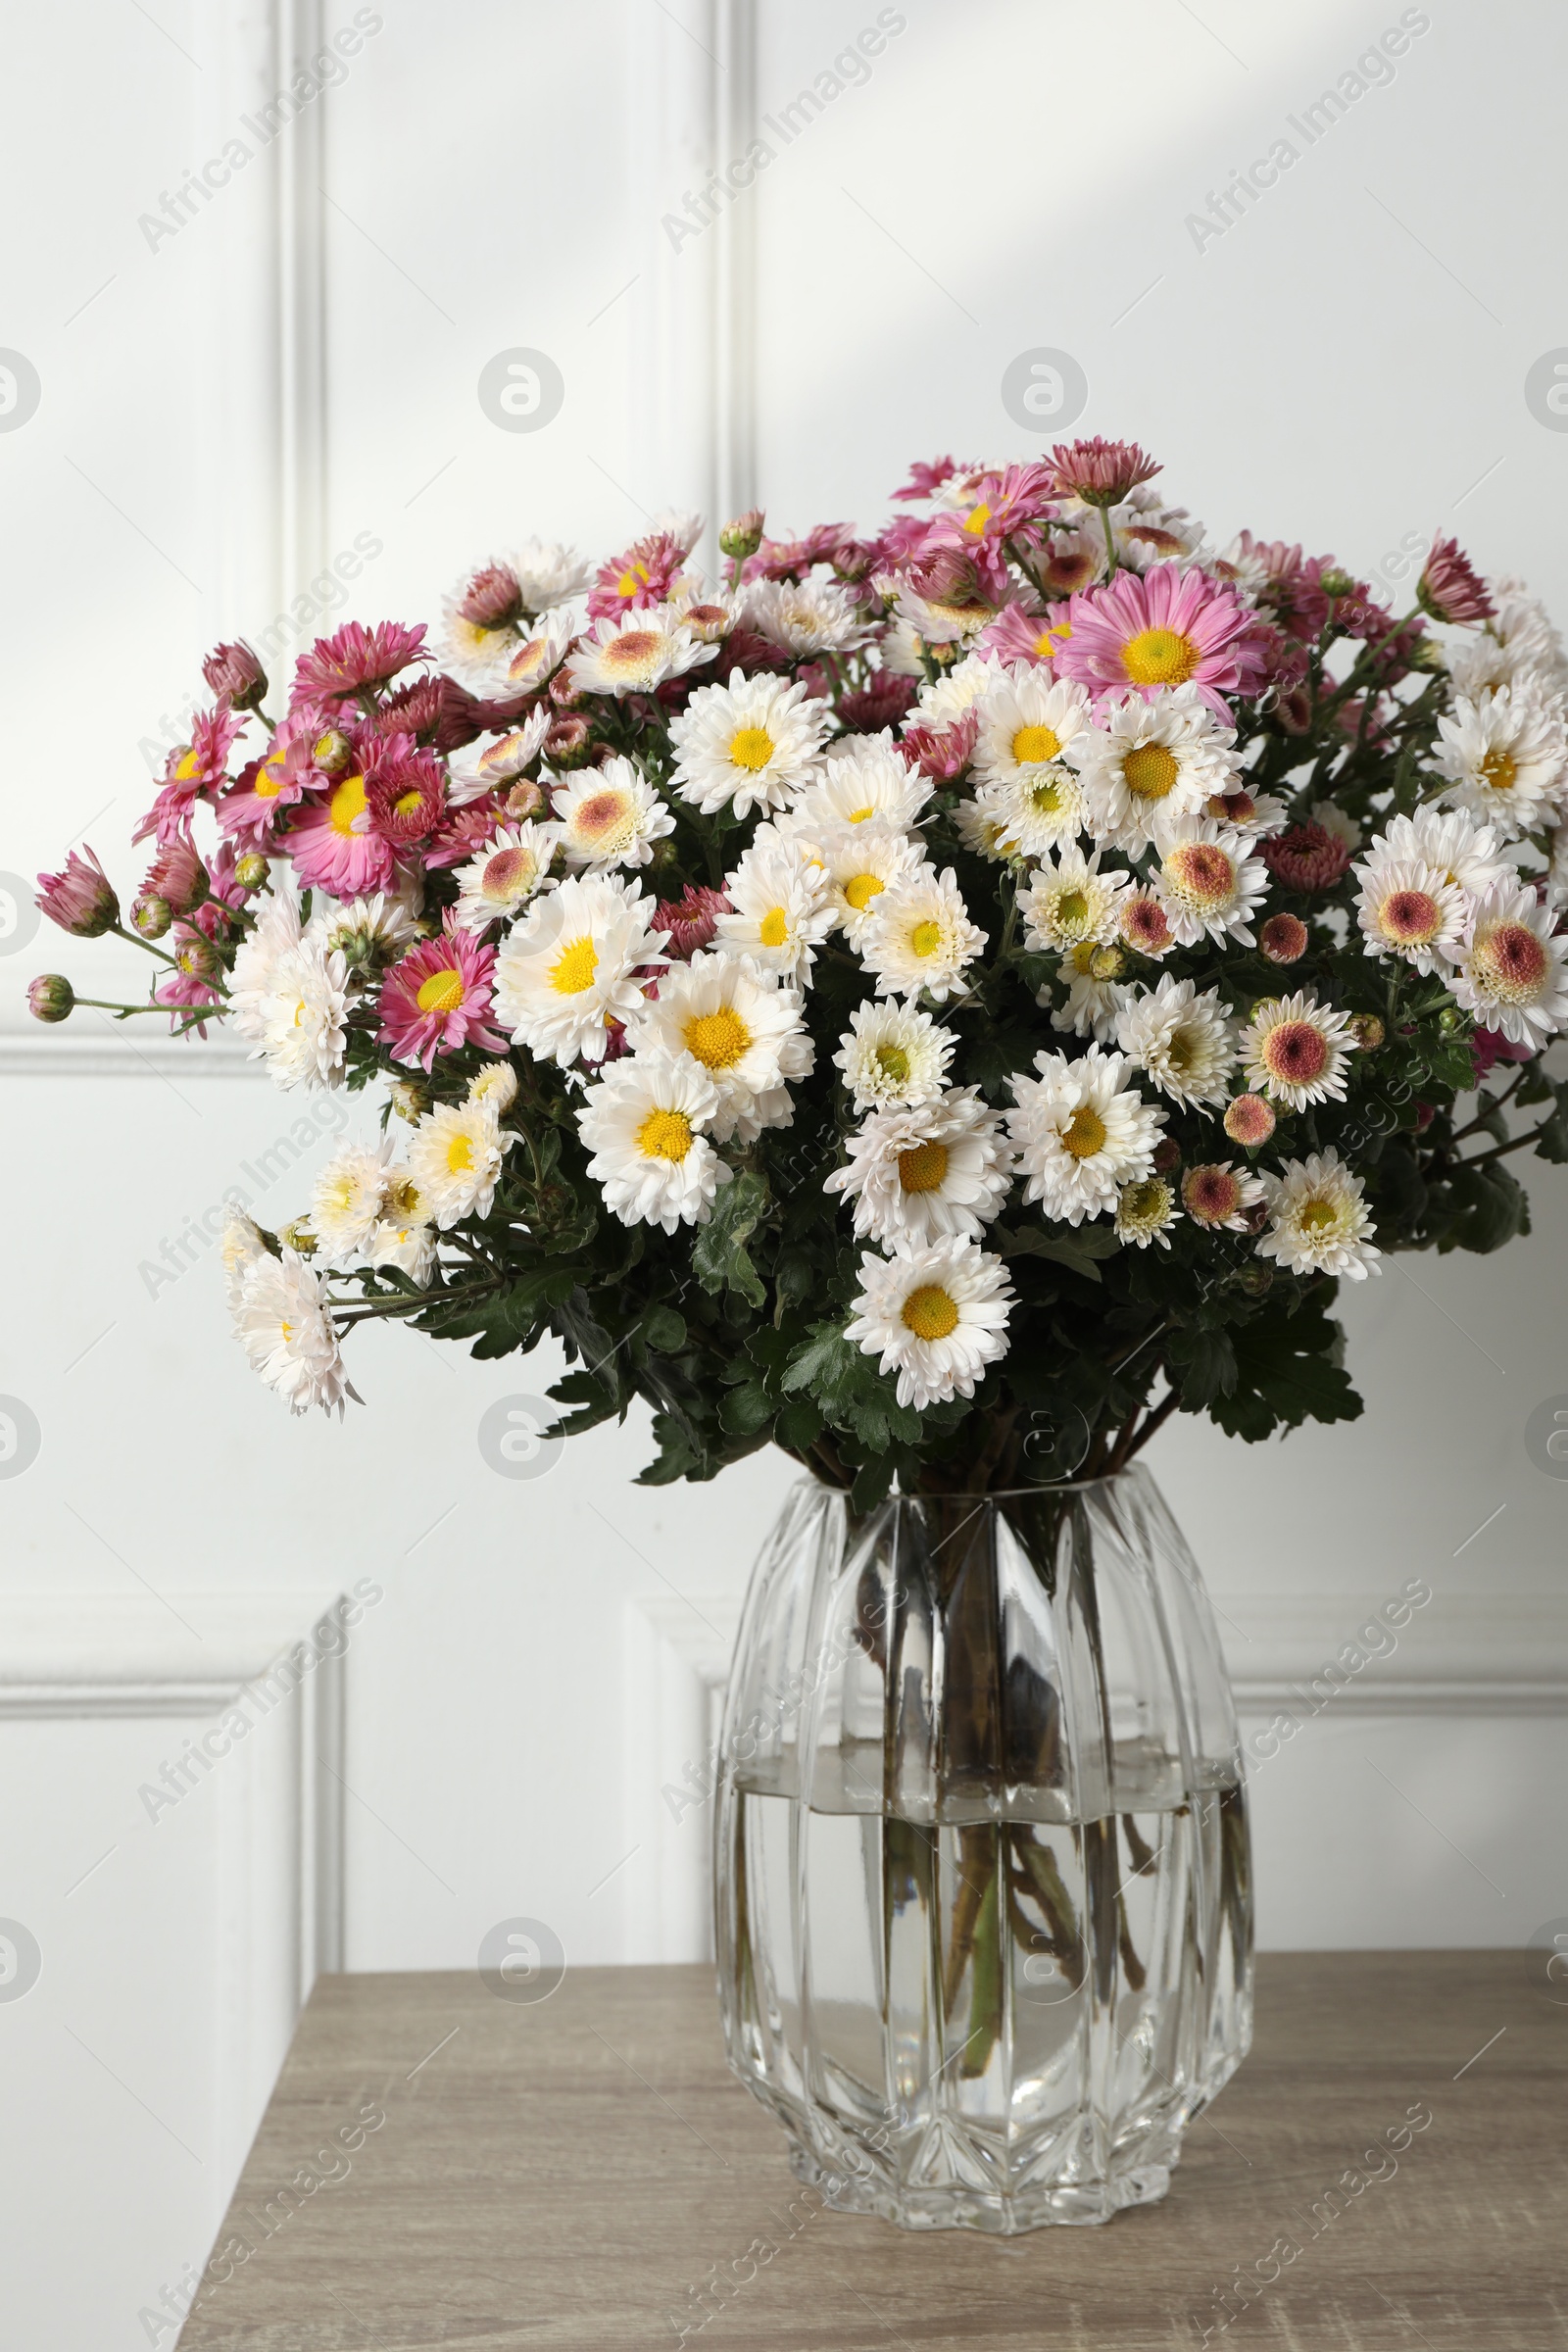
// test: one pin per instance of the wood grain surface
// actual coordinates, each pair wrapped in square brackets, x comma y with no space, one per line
[583,2172]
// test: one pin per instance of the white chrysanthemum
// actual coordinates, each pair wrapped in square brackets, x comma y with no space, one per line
[867,782]
[948,696]
[382,927]
[1027,721]
[305,1016]
[1147,532]
[1318,1219]
[1069,903]
[346,1202]
[548,573]
[916,1173]
[1030,815]
[684,525]
[936,1316]
[980,828]
[454,1157]
[1081,1133]
[782,907]
[893,1055]
[1219,1195]
[499,883]
[277,934]
[497,1085]
[1255,816]
[643,1122]
[1519,647]
[1142,923]
[857,864]
[610,815]
[744,1026]
[919,936]
[1336,822]
[284,1322]
[240,1248]
[932,623]
[804,616]
[1408,910]
[1298,1051]
[1510,974]
[632,652]
[403,1237]
[1146,761]
[1465,853]
[1180,1038]
[1504,758]
[565,971]
[1145,1210]
[1094,1001]
[540,647]
[1210,882]
[1557,868]
[500,763]
[1243,569]
[748,745]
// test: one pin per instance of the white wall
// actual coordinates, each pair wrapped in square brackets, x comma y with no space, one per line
[293,371]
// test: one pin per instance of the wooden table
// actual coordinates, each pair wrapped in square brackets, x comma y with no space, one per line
[577,2171]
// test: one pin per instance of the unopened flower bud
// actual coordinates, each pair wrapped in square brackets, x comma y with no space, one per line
[151,916]
[1248,1120]
[492,598]
[1428,654]
[1106,963]
[1335,582]
[564,692]
[251,870]
[299,1237]
[50,996]
[1282,938]
[409,1098]
[1168,1155]
[234,674]
[1256,1280]
[570,742]
[332,751]
[663,855]
[196,956]
[1368,1031]
[743,536]
[1450,1020]
[1425,1113]
[81,898]
[497,1085]
[524,798]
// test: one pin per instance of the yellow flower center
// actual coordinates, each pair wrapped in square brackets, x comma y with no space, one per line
[406,803]
[187,766]
[1045,799]
[602,814]
[1500,770]
[858,816]
[631,650]
[1159,657]
[1072,909]
[977,519]
[1316,1215]
[1084,1134]
[575,967]
[930,1314]
[402,1198]
[346,804]
[751,748]
[1150,770]
[459,1155]
[861,889]
[441,993]
[634,576]
[527,658]
[1032,746]
[894,1063]
[269,781]
[924,1168]
[664,1135]
[773,929]
[925,938]
[717,1040]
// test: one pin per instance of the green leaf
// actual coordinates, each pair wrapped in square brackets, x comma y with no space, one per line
[665,1329]
[1077,1249]
[1203,1364]
[799,1425]
[719,1258]
[746,1409]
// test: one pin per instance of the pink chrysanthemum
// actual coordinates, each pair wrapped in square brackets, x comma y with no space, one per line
[943,754]
[1019,635]
[927,481]
[1308,857]
[1168,628]
[196,772]
[1450,588]
[882,702]
[357,657]
[177,876]
[1488,1047]
[234,674]
[404,790]
[334,845]
[1100,472]
[644,575]
[437,999]
[81,898]
[692,919]
[280,778]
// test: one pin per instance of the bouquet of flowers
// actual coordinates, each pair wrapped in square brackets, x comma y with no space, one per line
[937,1003]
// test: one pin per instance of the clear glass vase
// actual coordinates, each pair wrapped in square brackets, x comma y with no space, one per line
[982,1866]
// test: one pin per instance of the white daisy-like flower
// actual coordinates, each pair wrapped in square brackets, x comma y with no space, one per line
[1519,647]
[1145,1210]
[1151,532]
[633,652]
[240,1248]
[932,623]
[644,1123]
[1408,910]
[476,651]
[306,1015]
[1557,868]
[743,1025]
[1035,813]
[900,649]
[565,971]
[500,763]
[1465,853]
[1510,973]
[346,1202]
[1095,998]
[497,1085]
[748,745]
[804,616]
[1027,721]
[1182,1040]
[1504,758]
[893,1055]
[916,1173]
[500,881]
[365,928]
[859,861]
[403,1237]
[867,782]
[1144,763]
[276,933]
[684,525]
[1255,816]
[980,828]
[1142,923]
[1336,822]
[945,698]
[537,653]
[918,937]
[548,573]
[936,1316]
[1244,568]
[1069,903]
[1219,1195]
[782,907]
[1082,1133]
[1210,882]
[285,1325]
[610,815]
[1318,1219]
[454,1157]
[1296,1050]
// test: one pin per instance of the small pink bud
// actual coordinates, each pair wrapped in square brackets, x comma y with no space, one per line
[50,996]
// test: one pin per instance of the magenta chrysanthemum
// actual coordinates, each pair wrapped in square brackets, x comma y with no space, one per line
[334,845]
[1450,587]
[1167,629]
[357,657]
[1100,472]
[438,998]
[1308,857]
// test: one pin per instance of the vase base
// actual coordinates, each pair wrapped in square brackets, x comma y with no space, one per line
[1079,2206]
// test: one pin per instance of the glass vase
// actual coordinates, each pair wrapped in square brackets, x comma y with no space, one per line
[982,1866]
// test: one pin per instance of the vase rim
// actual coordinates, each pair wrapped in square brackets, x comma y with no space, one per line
[1062,1485]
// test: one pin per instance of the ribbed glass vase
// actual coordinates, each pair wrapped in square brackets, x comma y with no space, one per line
[982,1866]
